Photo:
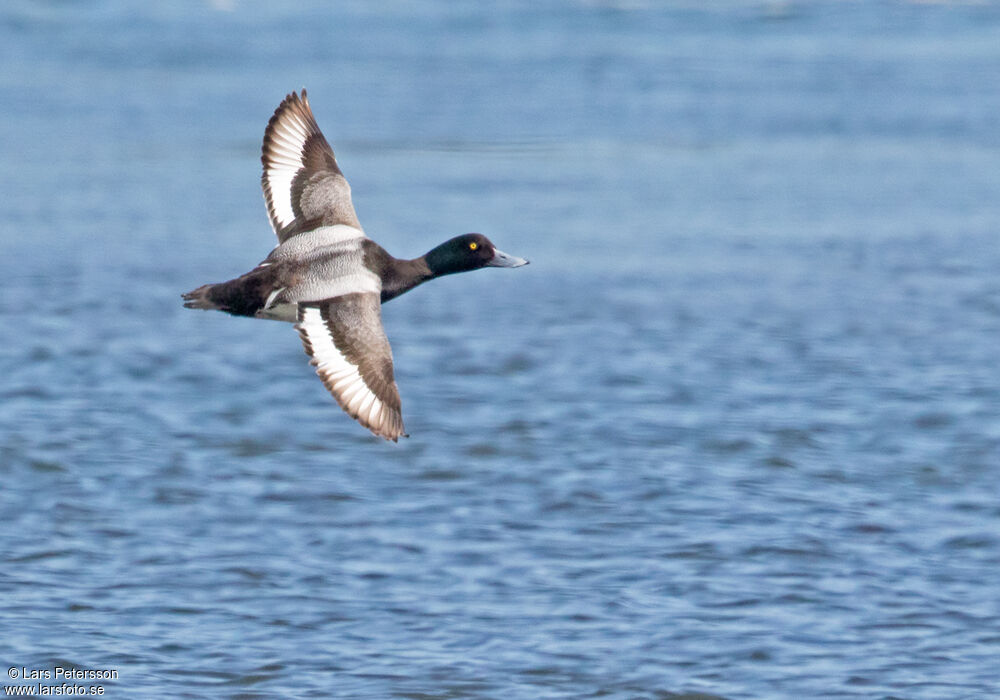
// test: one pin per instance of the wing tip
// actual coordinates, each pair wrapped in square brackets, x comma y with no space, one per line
[292,102]
[390,425]
[393,437]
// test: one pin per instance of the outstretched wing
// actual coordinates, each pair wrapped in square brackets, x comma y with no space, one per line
[303,185]
[347,344]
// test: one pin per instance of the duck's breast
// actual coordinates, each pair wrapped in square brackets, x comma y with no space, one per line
[324,263]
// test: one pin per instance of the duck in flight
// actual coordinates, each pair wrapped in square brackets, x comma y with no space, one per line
[327,276]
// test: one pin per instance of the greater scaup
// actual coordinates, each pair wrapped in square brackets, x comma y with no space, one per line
[327,277]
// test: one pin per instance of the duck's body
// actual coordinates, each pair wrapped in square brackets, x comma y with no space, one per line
[325,263]
[327,276]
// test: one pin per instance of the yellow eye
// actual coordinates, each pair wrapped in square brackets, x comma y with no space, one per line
[473,245]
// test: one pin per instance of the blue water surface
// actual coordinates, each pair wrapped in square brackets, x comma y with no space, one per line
[734,432]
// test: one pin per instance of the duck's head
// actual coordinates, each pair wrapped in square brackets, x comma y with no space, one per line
[469,251]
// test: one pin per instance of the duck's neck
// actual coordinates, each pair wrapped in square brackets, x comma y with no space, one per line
[400,276]
[403,275]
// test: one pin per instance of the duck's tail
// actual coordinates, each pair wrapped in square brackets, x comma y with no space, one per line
[200,298]
[243,296]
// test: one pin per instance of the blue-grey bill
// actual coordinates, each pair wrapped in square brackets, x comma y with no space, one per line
[501,259]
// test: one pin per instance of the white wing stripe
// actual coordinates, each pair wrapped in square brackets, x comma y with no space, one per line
[286,144]
[283,159]
[366,401]
[280,184]
[375,416]
[349,396]
[284,162]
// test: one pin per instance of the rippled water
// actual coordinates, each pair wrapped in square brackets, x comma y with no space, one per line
[735,431]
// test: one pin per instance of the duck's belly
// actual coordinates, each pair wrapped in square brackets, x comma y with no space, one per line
[280,312]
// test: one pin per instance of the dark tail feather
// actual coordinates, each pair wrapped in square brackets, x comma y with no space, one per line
[199,298]
[243,296]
